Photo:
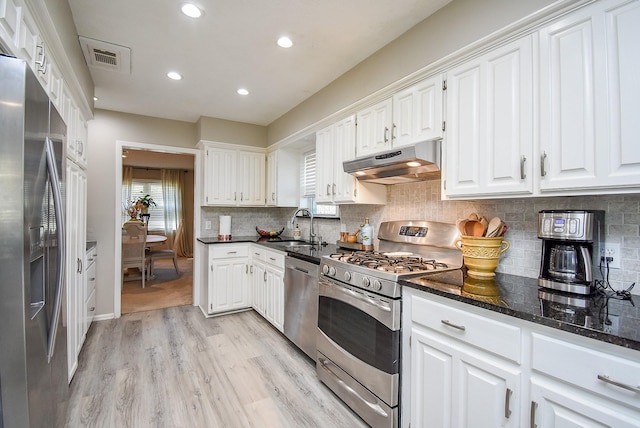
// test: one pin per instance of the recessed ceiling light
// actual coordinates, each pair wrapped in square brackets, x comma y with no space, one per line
[95,98]
[285,42]
[174,75]
[191,10]
[242,91]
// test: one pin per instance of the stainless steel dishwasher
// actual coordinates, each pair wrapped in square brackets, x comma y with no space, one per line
[301,303]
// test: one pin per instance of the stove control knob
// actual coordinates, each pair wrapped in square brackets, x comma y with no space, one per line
[365,282]
[347,276]
[332,271]
[377,285]
[325,269]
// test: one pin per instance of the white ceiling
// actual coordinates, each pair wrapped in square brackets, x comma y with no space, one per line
[234,45]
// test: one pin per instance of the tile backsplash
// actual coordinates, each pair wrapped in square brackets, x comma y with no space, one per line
[422,201]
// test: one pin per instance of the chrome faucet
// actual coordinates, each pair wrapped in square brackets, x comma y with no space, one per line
[312,233]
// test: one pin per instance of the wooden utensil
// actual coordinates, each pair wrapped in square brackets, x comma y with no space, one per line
[485,224]
[494,227]
[474,228]
[461,225]
[473,216]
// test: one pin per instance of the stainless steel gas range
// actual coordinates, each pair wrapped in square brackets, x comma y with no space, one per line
[360,309]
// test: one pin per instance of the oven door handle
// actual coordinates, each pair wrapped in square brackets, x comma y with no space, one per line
[373,406]
[363,298]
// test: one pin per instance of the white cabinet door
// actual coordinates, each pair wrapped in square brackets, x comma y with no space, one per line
[557,405]
[283,178]
[459,386]
[344,149]
[250,178]
[275,287]
[489,138]
[374,128]
[589,98]
[228,285]
[10,21]
[76,197]
[417,112]
[325,160]
[259,281]
[220,176]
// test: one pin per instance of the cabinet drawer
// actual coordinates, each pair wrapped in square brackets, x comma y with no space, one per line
[587,368]
[258,253]
[275,258]
[92,254]
[91,307]
[223,251]
[482,332]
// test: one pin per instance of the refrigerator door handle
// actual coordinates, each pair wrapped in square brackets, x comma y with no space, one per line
[52,169]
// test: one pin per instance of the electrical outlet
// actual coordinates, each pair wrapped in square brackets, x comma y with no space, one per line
[612,324]
[207,225]
[611,250]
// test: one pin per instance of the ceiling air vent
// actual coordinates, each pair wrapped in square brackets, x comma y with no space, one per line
[106,56]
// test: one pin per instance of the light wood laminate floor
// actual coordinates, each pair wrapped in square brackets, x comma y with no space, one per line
[174,368]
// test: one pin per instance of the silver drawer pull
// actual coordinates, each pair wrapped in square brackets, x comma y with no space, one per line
[607,379]
[450,324]
[232,252]
[532,415]
[272,259]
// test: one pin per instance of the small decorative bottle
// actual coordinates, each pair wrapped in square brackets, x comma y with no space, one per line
[367,235]
[296,232]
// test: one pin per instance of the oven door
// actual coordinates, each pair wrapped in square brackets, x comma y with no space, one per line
[360,333]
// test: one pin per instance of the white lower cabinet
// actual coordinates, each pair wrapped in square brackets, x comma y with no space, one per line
[90,289]
[267,269]
[454,383]
[465,366]
[227,279]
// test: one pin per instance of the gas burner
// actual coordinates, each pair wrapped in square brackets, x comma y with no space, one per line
[380,262]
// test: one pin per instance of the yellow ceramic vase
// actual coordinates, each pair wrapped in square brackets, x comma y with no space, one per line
[482,255]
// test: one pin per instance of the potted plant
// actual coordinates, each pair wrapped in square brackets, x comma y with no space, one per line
[144,202]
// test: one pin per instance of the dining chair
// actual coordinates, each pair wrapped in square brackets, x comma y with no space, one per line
[168,253]
[134,237]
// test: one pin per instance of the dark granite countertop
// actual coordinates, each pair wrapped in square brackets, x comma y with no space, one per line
[311,254]
[599,317]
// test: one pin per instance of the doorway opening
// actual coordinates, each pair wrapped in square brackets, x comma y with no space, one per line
[168,176]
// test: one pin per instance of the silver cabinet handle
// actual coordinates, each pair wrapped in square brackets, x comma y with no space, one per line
[92,308]
[80,147]
[386,134]
[522,173]
[246,269]
[265,276]
[333,189]
[507,403]
[241,196]
[232,252]
[273,196]
[608,380]
[450,324]
[79,263]
[251,269]
[272,259]
[42,62]
[532,415]
[543,157]
[235,198]
[393,132]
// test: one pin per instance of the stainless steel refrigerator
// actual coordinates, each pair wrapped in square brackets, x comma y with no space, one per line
[33,336]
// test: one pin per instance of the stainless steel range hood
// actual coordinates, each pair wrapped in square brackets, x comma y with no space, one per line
[419,162]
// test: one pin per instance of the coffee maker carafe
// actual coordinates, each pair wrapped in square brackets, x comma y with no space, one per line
[570,244]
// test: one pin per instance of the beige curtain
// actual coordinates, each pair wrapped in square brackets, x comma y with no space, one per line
[127,179]
[173,190]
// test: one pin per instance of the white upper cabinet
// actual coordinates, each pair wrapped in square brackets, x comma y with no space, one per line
[10,21]
[417,112]
[489,135]
[589,98]
[334,145]
[283,180]
[374,128]
[234,177]
[411,115]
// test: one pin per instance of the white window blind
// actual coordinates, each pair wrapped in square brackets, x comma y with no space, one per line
[140,188]
[309,175]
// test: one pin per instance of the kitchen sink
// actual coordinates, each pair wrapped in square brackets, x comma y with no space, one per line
[289,244]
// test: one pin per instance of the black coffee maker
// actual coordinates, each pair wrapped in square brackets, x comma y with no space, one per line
[571,242]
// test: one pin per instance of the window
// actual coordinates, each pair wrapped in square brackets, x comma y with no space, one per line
[308,188]
[142,187]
